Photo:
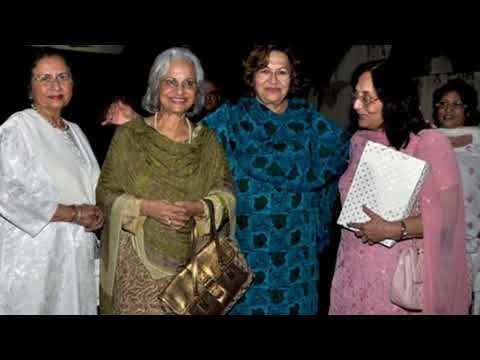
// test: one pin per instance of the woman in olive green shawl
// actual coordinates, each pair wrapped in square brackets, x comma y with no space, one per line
[155,175]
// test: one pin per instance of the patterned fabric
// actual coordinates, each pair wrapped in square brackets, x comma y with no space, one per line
[285,167]
[136,293]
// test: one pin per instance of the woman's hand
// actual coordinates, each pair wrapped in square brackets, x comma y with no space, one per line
[118,114]
[375,230]
[460,141]
[90,217]
[166,213]
[192,208]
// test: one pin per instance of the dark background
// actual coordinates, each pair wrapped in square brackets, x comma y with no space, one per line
[99,78]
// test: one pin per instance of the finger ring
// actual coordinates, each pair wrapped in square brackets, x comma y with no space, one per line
[169,221]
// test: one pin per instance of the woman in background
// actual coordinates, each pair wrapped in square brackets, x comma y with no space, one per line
[456,115]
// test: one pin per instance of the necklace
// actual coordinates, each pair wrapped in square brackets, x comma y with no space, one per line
[63,127]
[190,130]
[67,135]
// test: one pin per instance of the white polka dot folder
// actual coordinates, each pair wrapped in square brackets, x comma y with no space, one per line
[386,181]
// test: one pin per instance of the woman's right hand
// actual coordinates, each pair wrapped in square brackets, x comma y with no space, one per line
[375,230]
[166,213]
[119,113]
[90,217]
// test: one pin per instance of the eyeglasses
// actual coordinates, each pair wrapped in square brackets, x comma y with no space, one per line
[444,105]
[47,79]
[266,73]
[171,83]
[366,100]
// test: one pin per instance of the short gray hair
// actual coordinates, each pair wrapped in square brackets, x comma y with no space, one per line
[151,100]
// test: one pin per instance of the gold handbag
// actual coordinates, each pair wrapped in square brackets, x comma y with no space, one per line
[214,279]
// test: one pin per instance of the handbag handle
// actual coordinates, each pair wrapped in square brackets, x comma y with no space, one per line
[213,237]
[213,232]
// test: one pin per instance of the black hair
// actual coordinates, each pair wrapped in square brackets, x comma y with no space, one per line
[400,99]
[39,55]
[469,97]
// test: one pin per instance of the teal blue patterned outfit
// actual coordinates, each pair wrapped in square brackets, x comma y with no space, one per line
[286,167]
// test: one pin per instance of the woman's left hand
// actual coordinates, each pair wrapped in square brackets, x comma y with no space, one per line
[373,231]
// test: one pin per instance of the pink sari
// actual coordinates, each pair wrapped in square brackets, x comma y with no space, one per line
[363,274]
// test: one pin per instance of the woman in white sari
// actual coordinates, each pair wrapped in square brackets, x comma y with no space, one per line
[456,114]
[48,176]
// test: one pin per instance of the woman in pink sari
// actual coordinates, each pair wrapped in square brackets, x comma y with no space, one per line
[388,112]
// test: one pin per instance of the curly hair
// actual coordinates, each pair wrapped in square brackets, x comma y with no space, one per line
[469,97]
[400,99]
[259,58]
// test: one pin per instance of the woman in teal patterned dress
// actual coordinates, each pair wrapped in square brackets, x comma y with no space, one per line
[286,159]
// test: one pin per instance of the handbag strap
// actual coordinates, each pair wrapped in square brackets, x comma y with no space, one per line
[213,237]
[213,232]
[414,140]
[194,264]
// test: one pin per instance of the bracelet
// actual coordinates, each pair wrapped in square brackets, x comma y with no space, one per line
[78,215]
[403,230]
